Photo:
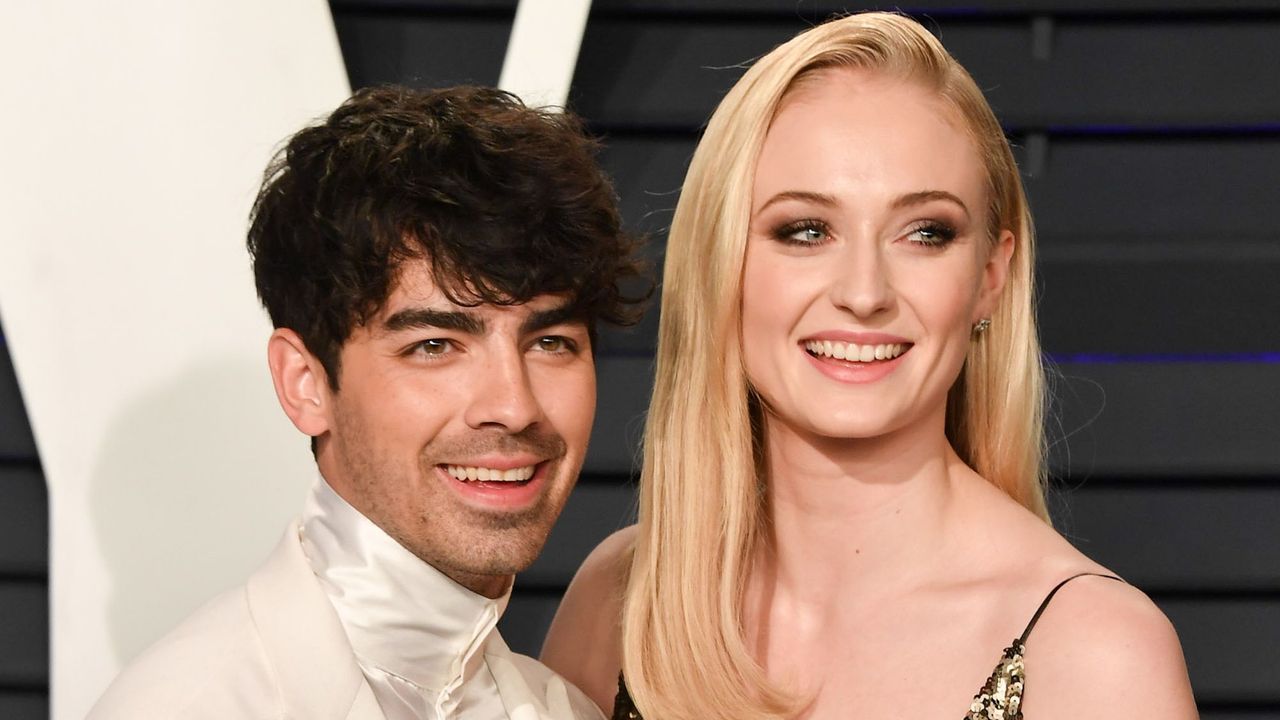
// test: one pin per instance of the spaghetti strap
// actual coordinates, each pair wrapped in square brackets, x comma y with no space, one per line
[1040,611]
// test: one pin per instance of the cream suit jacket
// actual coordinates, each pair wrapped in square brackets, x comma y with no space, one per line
[275,649]
[272,648]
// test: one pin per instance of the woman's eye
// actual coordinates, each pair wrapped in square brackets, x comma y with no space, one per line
[807,232]
[932,234]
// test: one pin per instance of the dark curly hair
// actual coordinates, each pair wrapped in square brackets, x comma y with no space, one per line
[505,202]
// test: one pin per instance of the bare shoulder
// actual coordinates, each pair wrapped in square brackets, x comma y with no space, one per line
[1103,648]
[584,643]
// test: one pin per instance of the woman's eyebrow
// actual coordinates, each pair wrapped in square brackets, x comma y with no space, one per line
[803,195]
[924,196]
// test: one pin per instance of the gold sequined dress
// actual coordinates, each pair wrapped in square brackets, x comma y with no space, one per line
[999,699]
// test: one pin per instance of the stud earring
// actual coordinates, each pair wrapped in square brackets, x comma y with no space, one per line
[981,326]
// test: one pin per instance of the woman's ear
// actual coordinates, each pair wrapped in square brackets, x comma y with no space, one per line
[994,274]
[302,386]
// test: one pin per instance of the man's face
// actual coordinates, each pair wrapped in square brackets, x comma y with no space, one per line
[460,430]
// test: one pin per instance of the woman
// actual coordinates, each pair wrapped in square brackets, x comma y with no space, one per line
[849,521]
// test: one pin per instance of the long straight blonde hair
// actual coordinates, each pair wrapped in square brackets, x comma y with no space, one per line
[702,507]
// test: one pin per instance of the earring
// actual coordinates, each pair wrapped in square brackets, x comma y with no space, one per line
[981,326]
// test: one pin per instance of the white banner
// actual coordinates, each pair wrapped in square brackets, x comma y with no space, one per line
[135,135]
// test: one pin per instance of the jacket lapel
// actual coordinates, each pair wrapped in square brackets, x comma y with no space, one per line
[306,647]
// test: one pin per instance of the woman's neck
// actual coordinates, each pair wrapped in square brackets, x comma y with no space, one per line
[852,518]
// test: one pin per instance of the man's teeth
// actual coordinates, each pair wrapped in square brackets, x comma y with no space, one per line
[853,352]
[480,474]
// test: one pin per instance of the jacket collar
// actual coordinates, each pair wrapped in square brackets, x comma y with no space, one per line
[306,648]
[402,616]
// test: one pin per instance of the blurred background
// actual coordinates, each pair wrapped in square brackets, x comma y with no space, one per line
[1149,138]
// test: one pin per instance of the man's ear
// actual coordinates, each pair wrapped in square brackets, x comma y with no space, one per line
[302,386]
[994,274]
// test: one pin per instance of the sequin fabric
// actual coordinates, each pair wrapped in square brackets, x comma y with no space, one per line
[1001,697]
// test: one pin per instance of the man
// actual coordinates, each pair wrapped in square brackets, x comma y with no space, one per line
[434,264]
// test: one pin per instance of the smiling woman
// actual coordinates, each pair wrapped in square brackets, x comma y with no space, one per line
[848,293]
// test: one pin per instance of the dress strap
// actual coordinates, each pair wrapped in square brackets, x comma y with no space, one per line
[1040,611]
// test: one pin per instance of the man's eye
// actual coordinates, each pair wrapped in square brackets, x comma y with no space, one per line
[435,346]
[554,343]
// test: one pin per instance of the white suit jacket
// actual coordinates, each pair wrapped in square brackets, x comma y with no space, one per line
[274,648]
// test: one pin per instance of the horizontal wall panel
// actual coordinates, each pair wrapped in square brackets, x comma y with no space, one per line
[15,430]
[1164,194]
[24,705]
[1152,420]
[1166,420]
[822,8]
[668,72]
[468,7]
[826,7]
[422,50]
[24,522]
[529,614]
[595,510]
[623,386]
[1178,537]
[1129,306]
[24,633]
[1229,645]
[647,172]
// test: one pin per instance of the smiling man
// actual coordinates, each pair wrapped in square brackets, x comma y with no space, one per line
[434,264]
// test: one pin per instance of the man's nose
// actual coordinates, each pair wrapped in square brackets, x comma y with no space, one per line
[503,396]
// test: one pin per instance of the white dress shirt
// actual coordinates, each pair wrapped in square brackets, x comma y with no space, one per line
[427,646]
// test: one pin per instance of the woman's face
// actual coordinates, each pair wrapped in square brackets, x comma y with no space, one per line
[868,257]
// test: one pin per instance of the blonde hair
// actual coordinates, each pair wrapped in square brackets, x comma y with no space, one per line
[702,507]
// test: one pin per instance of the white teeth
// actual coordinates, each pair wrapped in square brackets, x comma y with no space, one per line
[853,352]
[481,474]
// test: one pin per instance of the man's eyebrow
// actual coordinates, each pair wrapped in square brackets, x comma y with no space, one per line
[802,195]
[542,319]
[421,318]
[924,196]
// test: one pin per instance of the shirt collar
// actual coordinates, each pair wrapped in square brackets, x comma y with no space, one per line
[402,616]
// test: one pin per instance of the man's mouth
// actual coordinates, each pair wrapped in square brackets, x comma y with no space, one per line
[852,352]
[470,473]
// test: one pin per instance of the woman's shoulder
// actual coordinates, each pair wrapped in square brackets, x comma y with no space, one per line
[1100,647]
[584,643]
[1103,647]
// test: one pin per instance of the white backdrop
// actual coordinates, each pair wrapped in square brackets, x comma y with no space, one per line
[134,136]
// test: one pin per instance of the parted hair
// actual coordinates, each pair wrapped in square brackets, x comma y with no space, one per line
[504,201]
[703,507]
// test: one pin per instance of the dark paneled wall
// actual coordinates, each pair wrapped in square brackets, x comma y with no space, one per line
[1149,136]
[24,561]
